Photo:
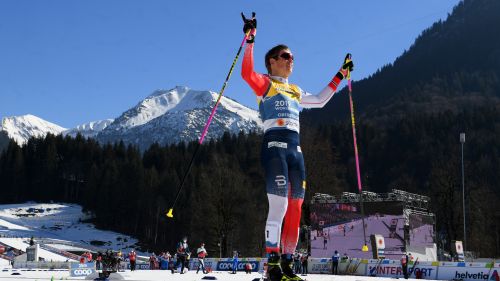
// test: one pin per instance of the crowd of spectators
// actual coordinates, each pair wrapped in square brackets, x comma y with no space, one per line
[324,215]
[300,261]
[110,261]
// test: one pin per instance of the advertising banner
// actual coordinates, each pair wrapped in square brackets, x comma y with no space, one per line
[353,266]
[459,251]
[469,271]
[32,252]
[210,263]
[459,248]
[81,269]
[320,266]
[138,266]
[391,268]
[227,265]
[324,266]
[466,271]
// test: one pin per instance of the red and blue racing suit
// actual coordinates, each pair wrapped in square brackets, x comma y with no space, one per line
[279,105]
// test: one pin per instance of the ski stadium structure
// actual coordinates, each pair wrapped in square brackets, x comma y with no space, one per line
[389,224]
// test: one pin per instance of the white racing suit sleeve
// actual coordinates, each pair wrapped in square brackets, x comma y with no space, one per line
[319,100]
[316,101]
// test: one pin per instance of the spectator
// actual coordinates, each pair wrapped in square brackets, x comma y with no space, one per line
[98,261]
[157,262]
[109,261]
[174,264]
[183,254]
[304,258]
[418,274]
[404,265]
[335,263]
[345,257]
[168,264]
[131,257]
[89,257]
[202,253]
[235,262]
[296,262]
[152,262]
[162,261]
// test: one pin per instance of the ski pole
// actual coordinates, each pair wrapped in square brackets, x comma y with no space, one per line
[205,129]
[413,268]
[356,155]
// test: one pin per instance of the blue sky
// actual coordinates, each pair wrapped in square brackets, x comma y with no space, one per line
[75,61]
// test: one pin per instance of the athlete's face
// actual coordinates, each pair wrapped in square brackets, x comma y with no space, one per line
[282,65]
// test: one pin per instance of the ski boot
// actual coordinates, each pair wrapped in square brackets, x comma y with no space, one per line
[273,267]
[286,267]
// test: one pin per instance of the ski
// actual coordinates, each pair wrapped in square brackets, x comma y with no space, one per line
[379,262]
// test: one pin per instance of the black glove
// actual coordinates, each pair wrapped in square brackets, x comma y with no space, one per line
[346,68]
[249,24]
[348,64]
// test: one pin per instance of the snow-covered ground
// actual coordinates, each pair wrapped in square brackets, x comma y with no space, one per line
[4,263]
[59,227]
[22,243]
[153,275]
[57,222]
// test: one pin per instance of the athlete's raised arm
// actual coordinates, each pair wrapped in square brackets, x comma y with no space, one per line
[258,82]
[319,100]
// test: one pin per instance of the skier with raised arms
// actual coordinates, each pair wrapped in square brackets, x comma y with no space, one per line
[279,105]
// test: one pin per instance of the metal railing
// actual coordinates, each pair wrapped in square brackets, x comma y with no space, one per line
[410,200]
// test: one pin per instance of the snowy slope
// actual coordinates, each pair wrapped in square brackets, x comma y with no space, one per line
[23,243]
[56,222]
[21,128]
[148,109]
[90,129]
[178,115]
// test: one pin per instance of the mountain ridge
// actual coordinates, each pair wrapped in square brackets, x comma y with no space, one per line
[178,115]
[90,129]
[164,117]
[21,128]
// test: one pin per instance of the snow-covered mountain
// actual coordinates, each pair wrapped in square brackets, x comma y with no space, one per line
[179,114]
[90,129]
[21,128]
[165,117]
